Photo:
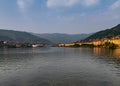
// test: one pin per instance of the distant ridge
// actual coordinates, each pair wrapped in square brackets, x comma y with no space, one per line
[19,36]
[63,38]
[108,33]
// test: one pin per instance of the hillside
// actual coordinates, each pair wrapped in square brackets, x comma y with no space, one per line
[108,33]
[63,38]
[18,36]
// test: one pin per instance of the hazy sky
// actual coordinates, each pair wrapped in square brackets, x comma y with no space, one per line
[59,16]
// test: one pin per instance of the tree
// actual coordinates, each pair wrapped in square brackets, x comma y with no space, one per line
[110,45]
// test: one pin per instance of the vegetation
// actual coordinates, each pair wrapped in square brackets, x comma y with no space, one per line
[63,38]
[87,45]
[110,45]
[76,45]
[83,45]
[18,36]
[108,33]
[105,45]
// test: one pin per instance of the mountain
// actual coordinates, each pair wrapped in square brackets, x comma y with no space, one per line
[18,36]
[63,38]
[108,33]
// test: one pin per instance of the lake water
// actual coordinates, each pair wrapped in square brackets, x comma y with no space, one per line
[59,67]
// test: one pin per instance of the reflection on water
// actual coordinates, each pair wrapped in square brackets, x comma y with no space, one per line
[110,57]
[59,67]
[113,53]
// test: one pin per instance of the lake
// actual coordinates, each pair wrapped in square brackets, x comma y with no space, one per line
[59,67]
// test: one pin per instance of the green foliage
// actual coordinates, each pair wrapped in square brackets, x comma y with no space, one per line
[108,33]
[83,45]
[63,38]
[87,45]
[110,45]
[18,36]
[76,45]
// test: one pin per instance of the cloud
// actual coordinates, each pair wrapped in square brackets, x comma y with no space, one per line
[90,2]
[23,4]
[115,5]
[116,17]
[61,3]
[70,3]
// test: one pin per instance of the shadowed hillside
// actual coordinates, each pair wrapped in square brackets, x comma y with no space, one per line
[18,36]
[63,38]
[108,33]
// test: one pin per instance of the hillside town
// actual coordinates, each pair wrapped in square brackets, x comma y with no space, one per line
[11,44]
[114,42]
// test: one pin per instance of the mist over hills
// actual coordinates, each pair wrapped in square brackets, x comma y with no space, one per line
[108,33]
[19,36]
[63,38]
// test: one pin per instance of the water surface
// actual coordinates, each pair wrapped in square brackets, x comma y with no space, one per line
[59,67]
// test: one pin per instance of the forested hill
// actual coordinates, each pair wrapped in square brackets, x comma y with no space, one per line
[108,33]
[63,38]
[18,36]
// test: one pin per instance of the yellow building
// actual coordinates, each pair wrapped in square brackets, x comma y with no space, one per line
[95,43]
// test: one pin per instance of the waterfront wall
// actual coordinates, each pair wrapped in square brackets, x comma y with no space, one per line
[95,43]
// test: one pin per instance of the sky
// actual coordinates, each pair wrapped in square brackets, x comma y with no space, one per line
[59,16]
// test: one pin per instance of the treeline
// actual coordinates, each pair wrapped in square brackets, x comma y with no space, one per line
[105,45]
[19,36]
[108,33]
[6,44]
